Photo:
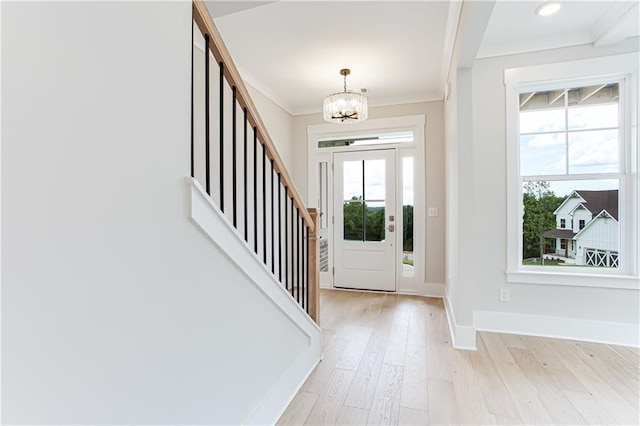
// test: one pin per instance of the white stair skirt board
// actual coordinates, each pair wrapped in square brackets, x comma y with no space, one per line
[615,333]
[462,336]
[219,230]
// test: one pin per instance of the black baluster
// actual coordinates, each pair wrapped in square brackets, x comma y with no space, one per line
[298,253]
[264,204]
[193,173]
[221,136]
[293,248]
[255,190]
[302,270]
[244,180]
[307,264]
[207,136]
[300,249]
[273,235]
[286,238]
[233,156]
[280,227]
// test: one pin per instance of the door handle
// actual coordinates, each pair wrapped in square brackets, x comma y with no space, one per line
[392,228]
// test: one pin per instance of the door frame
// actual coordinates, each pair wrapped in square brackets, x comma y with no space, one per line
[315,155]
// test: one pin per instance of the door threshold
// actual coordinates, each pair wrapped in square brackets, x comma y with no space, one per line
[363,290]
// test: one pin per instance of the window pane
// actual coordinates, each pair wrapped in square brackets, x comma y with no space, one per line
[369,139]
[352,180]
[593,151]
[589,144]
[375,221]
[592,95]
[374,178]
[571,223]
[543,154]
[407,217]
[543,120]
[322,194]
[593,116]
[353,220]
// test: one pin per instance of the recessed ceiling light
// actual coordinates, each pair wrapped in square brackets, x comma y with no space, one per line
[548,8]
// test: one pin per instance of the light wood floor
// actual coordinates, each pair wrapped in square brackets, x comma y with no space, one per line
[388,359]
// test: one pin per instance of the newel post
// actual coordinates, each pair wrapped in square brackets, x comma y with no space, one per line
[314,269]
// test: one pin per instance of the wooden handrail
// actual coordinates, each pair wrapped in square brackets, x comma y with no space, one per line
[205,24]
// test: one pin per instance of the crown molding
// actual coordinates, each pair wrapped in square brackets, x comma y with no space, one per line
[257,84]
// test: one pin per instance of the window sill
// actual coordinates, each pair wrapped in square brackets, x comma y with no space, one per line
[628,282]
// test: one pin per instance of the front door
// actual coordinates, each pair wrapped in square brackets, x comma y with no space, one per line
[365,220]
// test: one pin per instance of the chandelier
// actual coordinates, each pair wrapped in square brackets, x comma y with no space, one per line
[345,107]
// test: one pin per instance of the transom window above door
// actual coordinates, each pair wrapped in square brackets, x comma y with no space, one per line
[367,139]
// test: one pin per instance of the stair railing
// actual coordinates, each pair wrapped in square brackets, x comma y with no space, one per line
[270,215]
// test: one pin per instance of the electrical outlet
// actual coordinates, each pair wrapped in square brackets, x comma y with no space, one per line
[504,295]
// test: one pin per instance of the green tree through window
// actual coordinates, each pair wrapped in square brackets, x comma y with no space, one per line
[539,204]
[357,226]
[352,213]
[407,228]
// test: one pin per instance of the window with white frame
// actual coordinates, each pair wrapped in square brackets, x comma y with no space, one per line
[569,132]
[573,154]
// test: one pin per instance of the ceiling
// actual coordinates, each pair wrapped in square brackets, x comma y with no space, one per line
[399,51]
[515,28]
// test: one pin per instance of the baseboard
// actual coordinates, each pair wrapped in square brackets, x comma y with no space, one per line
[257,417]
[434,290]
[462,336]
[614,333]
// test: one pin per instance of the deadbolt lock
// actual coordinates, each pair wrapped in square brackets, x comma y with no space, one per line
[392,228]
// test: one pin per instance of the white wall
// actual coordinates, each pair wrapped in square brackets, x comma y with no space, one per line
[598,305]
[115,308]
[434,158]
[460,184]
[279,124]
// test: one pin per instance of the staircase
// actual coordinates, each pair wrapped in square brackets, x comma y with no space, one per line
[243,199]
